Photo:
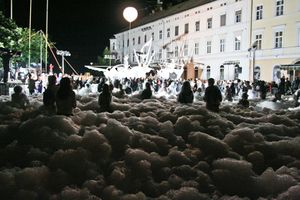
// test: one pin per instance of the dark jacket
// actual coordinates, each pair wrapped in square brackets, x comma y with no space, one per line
[213,98]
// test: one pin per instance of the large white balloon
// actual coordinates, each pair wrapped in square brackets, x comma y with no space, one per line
[130,14]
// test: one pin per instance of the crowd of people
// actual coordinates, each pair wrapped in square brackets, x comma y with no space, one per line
[59,96]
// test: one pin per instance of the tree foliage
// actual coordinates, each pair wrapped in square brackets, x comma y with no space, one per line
[8,33]
[101,59]
[37,41]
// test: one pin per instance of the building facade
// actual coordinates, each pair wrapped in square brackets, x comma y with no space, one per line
[217,38]
[276,28]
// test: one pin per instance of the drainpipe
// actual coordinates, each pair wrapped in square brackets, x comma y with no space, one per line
[250,42]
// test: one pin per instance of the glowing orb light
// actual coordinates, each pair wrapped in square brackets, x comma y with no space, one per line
[130,14]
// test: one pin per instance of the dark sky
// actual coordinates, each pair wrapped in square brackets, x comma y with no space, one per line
[82,27]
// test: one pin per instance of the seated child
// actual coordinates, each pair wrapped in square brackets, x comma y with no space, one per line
[19,99]
[244,101]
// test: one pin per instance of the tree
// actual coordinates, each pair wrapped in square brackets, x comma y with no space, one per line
[8,32]
[37,41]
[101,59]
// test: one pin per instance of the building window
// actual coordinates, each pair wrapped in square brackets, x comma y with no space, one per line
[237,43]
[152,36]
[176,30]
[123,43]
[278,39]
[145,38]
[197,26]
[256,73]
[196,49]
[168,52]
[186,50]
[208,72]
[208,47]
[160,34]
[258,39]
[276,73]
[139,40]
[259,12]
[127,42]
[279,7]
[113,46]
[223,20]
[238,16]
[236,72]
[176,51]
[209,23]
[196,73]
[133,41]
[222,72]
[186,28]
[184,72]
[160,54]
[168,32]
[222,45]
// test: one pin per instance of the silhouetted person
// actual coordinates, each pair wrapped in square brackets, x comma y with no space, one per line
[100,85]
[49,95]
[212,96]
[31,84]
[121,92]
[228,93]
[244,101]
[263,89]
[105,99]
[186,94]
[19,99]
[147,92]
[65,98]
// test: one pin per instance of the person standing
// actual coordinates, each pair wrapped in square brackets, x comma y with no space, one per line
[31,84]
[186,94]
[49,95]
[212,96]
[105,99]
[65,98]
[147,92]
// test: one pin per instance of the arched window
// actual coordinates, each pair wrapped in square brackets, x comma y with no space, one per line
[185,72]
[196,72]
[222,72]
[208,72]
[276,73]
[256,73]
[236,72]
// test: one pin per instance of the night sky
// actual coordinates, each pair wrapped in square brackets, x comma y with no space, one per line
[82,27]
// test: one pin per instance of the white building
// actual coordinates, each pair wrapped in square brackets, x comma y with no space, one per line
[211,35]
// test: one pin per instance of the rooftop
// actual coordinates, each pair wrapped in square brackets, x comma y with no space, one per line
[171,11]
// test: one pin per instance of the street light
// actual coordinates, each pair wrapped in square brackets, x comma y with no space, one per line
[130,14]
[63,54]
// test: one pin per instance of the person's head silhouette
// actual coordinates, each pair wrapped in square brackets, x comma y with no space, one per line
[211,81]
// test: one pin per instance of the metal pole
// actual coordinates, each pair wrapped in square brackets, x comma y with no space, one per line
[63,64]
[46,43]
[11,9]
[29,43]
[253,67]
[41,52]
[129,42]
